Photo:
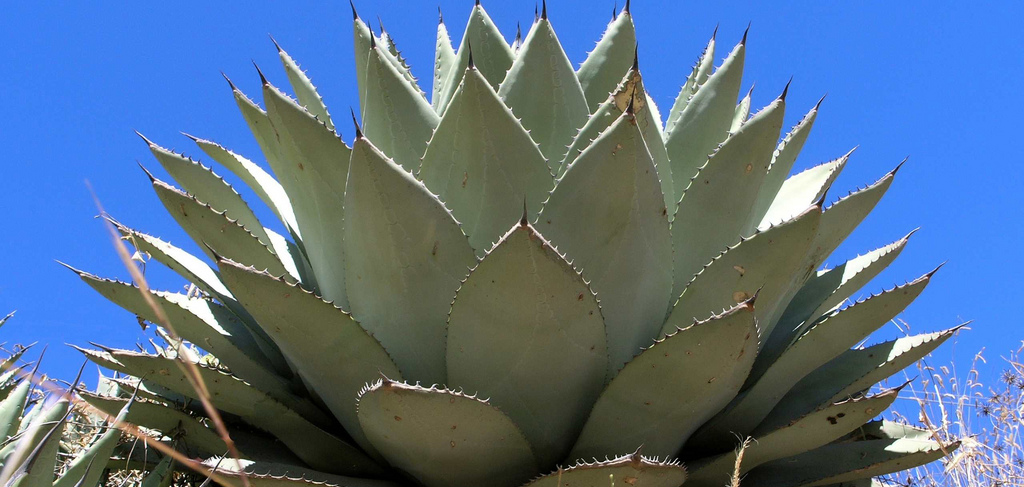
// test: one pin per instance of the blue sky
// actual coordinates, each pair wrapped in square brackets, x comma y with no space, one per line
[940,85]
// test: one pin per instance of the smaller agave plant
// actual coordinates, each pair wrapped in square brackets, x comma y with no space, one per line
[44,435]
[526,279]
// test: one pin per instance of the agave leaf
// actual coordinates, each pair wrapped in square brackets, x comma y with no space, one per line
[822,294]
[542,90]
[160,476]
[33,459]
[304,89]
[407,257]
[216,233]
[483,164]
[200,321]
[782,163]
[586,219]
[601,71]
[11,409]
[698,76]
[295,421]
[293,257]
[443,437]
[801,190]
[840,219]
[394,56]
[777,441]
[79,471]
[634,470]
[705,364]
[483,42]
[855,371]
[395,116]
[205,185]
[364,42]
[444,59]
[334,355]
[167,420]
[630,95]
[205,278]
[269,474]
[705,120]
[524,317]
[259,180]
[318,163]
[742,113]
[822,343]
[763,264]
[723,192]
[846,462]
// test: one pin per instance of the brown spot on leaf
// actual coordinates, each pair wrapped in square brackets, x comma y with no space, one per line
[628,480]
[739,296]
[465,177]
[712,379]
[398,418]
[740,269]
[832,420]
[452,443]
[580,297]
[750,167]
[434,250]
[301,167]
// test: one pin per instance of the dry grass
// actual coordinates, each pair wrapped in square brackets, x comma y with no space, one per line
[987,413]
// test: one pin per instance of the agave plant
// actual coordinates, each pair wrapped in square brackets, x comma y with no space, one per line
[526,279]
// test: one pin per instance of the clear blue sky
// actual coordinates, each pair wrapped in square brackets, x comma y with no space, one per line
[941,85]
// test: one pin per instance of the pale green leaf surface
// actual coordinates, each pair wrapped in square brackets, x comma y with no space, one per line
[334,355]
[524,318]
[79,471]
[491,55]
[782,163]
[542,90]
[407,257]
[304,89]
[444,59]
[34,457]
[11,409]
[664,394]
[607,216]
[704,122]
[445,438]
[697,77]
[269,474]
[742,112]
[723,192]
[601,72]
[801,190]
[483,165]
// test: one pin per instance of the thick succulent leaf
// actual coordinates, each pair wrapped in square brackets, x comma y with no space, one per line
[663,395]
[764,264]
[630,94]
[205,278]
[723,192]
[782,163]
[200,321]
[845,462]
[542,90]
[34,457]
[394,56]
[775,441]
[304,89]
[825,291]
[259,180]
[698,76]
[444,59]
[444,438]
[525,317]
[295,421]
[268,474]
[840,219]
[206,186]
[317,162]
[79,472]
[601,72]
[742,112]
[217,234]
[167,420]
[160,475]
[483,164]
[705,120]
[607,215]
[396,117]
[364,42]
[407,257]
[855,371]
[330,351]
[11,409]
[801,190]
[633,470]
[822,343]
[483,42]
